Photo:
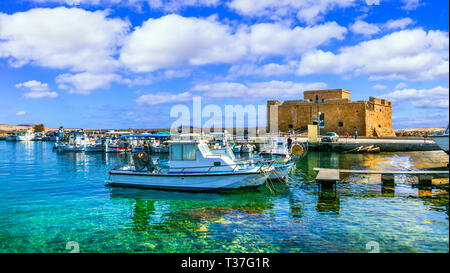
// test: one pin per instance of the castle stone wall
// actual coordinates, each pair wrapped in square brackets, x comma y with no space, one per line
[369,118]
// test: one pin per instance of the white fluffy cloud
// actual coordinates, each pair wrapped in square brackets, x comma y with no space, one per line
[398,23]
[166,5]
[84,83]
[270,89]
[361,27]
[63,38]
[282,89]
[400,86]
[309,11]
[270,69]
[176,41]
[425,120]
[164,97]
[36,90]
[21,113]
[437,97]
[413,55]
[410,4]
[379,87]
[222,90]
[277,39]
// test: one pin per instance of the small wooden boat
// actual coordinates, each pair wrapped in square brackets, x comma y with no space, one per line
[25,136]
[191,167]
[277,151]
[76,143]
[442,140]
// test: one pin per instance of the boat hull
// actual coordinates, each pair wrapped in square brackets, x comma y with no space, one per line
[442,142]
[188,182]
[281,171]
[116,149]
[24,138]
[63,148]
[138,149]
[92,149]
[159,150]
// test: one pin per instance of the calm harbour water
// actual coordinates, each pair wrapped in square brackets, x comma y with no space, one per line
[48,199]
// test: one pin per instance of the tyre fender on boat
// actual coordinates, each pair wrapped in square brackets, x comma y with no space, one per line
[142,160]
[297,150]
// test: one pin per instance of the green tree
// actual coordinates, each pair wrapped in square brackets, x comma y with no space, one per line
[39,128]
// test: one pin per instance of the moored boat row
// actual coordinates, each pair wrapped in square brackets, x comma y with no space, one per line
[191,166]
[194,166]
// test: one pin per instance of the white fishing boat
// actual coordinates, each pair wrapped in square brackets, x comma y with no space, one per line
[191,166]
[94,144]
[24,136]
[441,140]
[237,148]
[39,136]
[247,148]
[94,147]
[76,142]
[224,151]
[117,146]
[277,150]
[158,147]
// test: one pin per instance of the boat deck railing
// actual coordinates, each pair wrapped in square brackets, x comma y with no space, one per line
[259,163]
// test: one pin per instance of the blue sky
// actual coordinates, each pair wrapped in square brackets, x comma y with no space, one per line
[125,63]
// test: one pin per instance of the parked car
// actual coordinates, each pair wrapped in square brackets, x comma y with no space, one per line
[330,137]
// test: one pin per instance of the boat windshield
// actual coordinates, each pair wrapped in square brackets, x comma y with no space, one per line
[183,152]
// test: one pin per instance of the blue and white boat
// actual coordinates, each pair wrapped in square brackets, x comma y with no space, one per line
[94,146]
[441,140]
[76,142]
[191,167]
[24,136]
[278,151]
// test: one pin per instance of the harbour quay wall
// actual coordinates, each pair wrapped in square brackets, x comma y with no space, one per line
[386,145]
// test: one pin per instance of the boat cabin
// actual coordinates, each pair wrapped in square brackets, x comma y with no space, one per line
[77,138]
[194,156]
[277,145]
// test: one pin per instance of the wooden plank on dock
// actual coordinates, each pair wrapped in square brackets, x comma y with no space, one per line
[444,172]
[328,175]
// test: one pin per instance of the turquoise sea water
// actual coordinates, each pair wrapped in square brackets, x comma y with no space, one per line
[48,199]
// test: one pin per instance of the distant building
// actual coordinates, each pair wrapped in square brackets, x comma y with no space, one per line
[369,118]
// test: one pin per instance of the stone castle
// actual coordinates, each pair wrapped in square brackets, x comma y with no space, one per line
[369,118]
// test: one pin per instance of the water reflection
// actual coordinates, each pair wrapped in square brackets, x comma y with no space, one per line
[328,201]
[54,197]
[388,191]
[198,207]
